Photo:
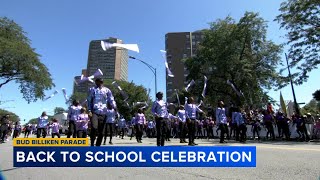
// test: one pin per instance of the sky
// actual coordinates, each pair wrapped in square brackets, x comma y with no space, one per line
[61,30]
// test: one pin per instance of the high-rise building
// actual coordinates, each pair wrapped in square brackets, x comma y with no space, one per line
[179,45]
[80,88]
[113,62]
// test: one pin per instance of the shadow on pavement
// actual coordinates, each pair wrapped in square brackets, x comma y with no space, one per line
[11,169]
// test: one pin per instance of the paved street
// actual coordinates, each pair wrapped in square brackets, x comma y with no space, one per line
[275,160]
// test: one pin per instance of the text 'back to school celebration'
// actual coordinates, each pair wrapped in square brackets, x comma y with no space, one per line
[217,111]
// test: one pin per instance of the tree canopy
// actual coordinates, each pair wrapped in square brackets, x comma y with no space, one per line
[20,63]
[59,110]
[135,93]
[13,116]
[240,52]
[301,19]
[316,95]
[312,107]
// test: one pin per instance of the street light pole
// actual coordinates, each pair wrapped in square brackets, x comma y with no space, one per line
[153,69]
[293,93]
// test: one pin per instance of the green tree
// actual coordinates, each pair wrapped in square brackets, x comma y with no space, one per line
[316,95]
[237,51]
[312,107]
[20,63]
[136,94]
[81,97]
[302,21]
[33,121]
[59,110]
[13,116]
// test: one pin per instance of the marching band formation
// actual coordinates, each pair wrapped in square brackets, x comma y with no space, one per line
[102,120]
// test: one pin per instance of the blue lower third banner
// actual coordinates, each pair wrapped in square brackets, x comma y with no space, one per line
[136,156]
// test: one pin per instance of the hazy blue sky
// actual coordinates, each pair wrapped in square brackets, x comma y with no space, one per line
[61,31]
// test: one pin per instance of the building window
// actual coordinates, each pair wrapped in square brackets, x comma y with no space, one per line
[185,55]
[193,36]
[193,43]
[187,36]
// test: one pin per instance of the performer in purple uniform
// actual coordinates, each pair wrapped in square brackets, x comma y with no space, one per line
[42,125]
[55,128]
[82,124]
[73,114]
[191,113]
[140,122]
[110,119]
[97,102]
[160,111]
[221,120]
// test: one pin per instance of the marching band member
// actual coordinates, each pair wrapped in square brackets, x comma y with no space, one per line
[82,124]
[221,120]
[191,115]
[122,126]
[17,130]
[27,130]
[170,118]
[42,125]
[160,111]
[110,119]
[4,127]
[97,101]
[73,114]
[132,127]
[241,125]
[140,122]
[210,128]
[150,130]
[55,128]
[181,114]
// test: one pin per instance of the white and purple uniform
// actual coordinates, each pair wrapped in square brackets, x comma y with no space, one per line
[221,116]
[171,117]
[159,108]
[237,118]
[82,122]
[151,124]
[191,111]
[55,127]
[42,122]
[182,115]
[98,99]
[140,119]
[122,123]
[110,115]
[74,112]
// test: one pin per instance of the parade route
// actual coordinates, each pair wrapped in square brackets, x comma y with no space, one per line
[275,160]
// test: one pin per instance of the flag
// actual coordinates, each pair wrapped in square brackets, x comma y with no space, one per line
[53,94]
[164,55]
[124,94]
[189,85]
[234,87]
[177,96]
[132,47]
[204,87]
[65,95]
[282,104]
